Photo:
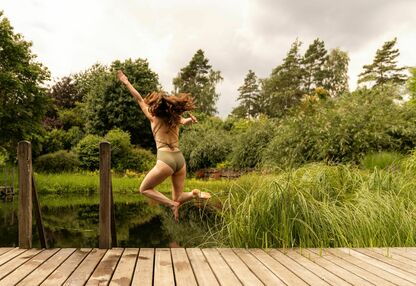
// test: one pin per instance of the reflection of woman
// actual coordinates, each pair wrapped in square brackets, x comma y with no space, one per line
[164,113]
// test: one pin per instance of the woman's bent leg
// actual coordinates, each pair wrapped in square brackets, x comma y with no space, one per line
[156,176]
[178,183]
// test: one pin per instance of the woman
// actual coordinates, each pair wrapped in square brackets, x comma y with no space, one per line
[165,115]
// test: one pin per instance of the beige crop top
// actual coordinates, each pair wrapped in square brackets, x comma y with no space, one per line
[165,136]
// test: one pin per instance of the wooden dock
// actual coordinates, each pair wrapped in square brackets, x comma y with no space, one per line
[208,266]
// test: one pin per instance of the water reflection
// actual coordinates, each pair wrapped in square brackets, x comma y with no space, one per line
[72,221]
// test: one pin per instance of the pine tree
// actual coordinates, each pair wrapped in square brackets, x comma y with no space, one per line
[384,67]
[199,79]
[249,96]
[283,90]
[313,66]
[336,82]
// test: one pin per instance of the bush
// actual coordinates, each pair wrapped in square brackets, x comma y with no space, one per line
[88,151]
[53,141]
[139,160]
[206,144]
[60,161]
[249,146]
[342,130]
[120,147]
[72,137]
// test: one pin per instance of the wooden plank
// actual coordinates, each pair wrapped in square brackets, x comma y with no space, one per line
[317,269]
[10,254]
[43,271]
[102,274]
[222,271]
[203,273]
[334,268]
[263,273]
[277,268]
[5,249]
[105,196]
[391,254]
[363,273]
[163,273]
[26,268]
[302,272]
[385,266]
[65,269]
[402,252]
[85,269]
[184,275]
[371,268]
[391,261]
[11,265]
[240,269]
[123,275]
[24,155]
[143,274]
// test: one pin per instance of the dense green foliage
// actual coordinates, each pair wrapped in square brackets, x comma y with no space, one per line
[23,101]
[88,151]
[57,162]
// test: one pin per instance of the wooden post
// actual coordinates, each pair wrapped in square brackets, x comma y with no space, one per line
[24,155]
[38,216]
[105,195]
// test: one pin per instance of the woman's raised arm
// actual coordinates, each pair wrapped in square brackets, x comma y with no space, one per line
[123,78]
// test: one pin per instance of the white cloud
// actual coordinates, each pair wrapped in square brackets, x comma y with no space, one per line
[70,36]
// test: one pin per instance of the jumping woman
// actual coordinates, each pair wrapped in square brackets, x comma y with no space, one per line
[165,115]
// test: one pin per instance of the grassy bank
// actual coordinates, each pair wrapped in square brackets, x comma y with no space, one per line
[321,206]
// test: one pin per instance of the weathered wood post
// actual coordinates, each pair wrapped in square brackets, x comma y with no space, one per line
[105,195]
[24,155]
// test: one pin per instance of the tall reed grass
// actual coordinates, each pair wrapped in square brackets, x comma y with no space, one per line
[321,206]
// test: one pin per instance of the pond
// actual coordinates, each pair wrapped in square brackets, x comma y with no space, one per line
[72,221]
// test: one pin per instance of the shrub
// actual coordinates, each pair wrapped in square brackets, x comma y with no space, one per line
[342,130]
[249,146]
[88,151]
[60,161]
[139,160]
[72,137]
[53,141]
[120,147]
[205,145]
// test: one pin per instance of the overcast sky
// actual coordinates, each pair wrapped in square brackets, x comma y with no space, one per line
[236,35]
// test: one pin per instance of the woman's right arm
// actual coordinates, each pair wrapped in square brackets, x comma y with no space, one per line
[144,107]
[190,119]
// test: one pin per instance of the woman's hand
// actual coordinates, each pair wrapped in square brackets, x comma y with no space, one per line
[122,77]
[194,120]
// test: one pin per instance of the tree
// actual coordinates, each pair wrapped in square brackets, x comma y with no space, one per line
[411,83]
[314,73]
[282,90]
[199,79]
[336,66]
[249,96]
[23,100]
[384,67]
[66,99]
[109,105]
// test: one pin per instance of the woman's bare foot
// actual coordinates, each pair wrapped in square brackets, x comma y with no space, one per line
[200,195]
[175,210]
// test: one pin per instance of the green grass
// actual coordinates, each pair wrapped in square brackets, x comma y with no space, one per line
[320,206]
[381,160]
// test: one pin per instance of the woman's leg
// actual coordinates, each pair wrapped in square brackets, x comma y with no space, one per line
[178,182]
[156,176]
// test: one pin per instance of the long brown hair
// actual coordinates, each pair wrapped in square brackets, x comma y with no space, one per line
[169,107]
